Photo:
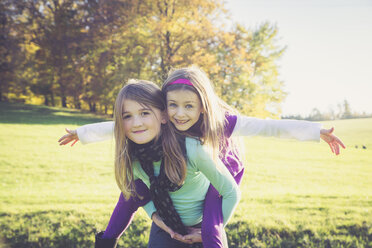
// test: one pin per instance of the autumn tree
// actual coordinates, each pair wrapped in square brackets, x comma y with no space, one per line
[11,56]
[247,77]
[83,51]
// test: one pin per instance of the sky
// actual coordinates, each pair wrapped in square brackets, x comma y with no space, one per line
[329,50]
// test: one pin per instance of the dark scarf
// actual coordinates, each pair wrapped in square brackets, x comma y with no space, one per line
[195,130]
[160,185]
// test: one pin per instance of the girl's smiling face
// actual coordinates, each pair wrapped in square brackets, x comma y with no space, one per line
[184,108]
[141,124]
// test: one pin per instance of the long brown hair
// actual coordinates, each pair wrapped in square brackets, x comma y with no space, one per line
[213,119]
[148,94]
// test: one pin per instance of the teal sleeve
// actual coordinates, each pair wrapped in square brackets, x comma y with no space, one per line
[217,174]
[150,208]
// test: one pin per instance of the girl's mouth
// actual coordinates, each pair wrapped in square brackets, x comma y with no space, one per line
[139,131]
[181,122]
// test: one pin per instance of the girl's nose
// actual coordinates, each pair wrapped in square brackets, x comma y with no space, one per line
[180,112]
[137,121]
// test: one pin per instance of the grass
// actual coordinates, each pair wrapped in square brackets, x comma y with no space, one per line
[295,194]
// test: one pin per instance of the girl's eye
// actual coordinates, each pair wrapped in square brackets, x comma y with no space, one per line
[126,117]
[173,105]
[145,113]
[189,106]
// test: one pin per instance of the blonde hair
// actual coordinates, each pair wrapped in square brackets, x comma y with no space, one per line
[214,109]
[148,94]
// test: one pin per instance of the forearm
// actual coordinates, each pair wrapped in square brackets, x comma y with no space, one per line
[291,129]
[96,132]
[125,210]
[222,180]
[229,204]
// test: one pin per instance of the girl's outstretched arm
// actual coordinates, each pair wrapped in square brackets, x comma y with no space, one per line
[89,133]
[290,129]
[333,141]
[287,129]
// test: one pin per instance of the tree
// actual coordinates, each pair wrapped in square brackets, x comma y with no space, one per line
[347,114]
[81,51]
[181,33]
[11,57]
[247,73]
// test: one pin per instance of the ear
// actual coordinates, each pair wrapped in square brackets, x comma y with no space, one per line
[164,117]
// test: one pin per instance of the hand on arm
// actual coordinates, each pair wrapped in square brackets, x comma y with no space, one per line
[71,136]
[194,235]
[160,223]
[333,141]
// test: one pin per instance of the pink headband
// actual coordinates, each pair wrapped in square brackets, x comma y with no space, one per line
[181,81]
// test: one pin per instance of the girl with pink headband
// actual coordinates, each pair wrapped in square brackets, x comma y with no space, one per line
[195,110]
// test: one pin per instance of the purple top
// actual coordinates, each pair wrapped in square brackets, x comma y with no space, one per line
[229,155]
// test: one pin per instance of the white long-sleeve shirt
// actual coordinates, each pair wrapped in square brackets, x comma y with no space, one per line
[245,126]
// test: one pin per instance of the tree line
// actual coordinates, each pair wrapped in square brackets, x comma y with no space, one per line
[344,111]
[78,53]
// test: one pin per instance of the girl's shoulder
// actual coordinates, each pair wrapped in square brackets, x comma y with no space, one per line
[230,123]
[196,150]
[192,143]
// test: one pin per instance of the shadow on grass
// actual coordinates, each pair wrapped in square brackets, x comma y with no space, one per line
[15,113]
[62,229]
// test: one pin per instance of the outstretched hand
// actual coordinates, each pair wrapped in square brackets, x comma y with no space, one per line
[71,136]
[333,142]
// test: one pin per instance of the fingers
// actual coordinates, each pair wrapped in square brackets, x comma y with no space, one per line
[333,141]
[74,143]
[337,149]
[182,239]
[66,138]
[194,235]
[330,145]
[340,142]
[336,146]
[63,137]
[177,236]
[63,141]
[173,234]
[327,131]
[336,143]
[73,132]
[189,237]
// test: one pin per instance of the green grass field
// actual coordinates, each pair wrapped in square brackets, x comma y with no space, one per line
[294,194]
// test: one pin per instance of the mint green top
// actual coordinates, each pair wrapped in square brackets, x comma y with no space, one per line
[201,171]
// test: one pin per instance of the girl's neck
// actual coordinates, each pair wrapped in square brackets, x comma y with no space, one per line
[195,130]
[151,151]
